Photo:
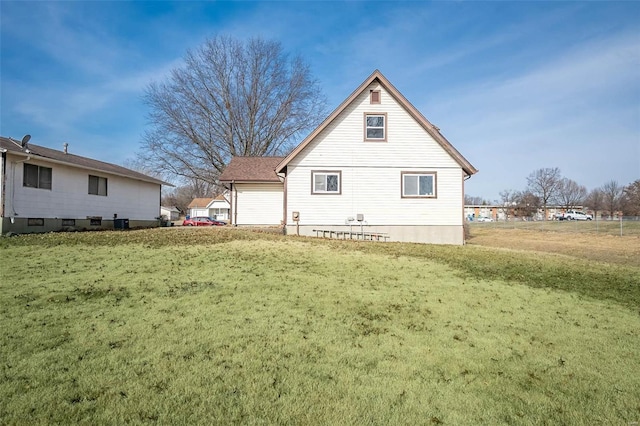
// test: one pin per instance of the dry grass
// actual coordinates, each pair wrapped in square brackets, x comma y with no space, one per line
[228,326]
[596,247]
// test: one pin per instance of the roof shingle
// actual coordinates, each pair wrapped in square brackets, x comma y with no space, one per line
[199,202]
[251,169]
[11,145]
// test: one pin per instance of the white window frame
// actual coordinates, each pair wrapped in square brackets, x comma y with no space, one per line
[326,174]
[417,176]
[383,127]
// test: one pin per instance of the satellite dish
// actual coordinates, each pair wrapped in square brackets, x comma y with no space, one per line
[25,139]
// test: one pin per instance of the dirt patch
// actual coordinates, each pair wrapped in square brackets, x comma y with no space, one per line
[602,248]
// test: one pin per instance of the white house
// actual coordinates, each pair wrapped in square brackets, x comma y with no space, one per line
[375,162]
[171,213]
[43,189]
[217,207]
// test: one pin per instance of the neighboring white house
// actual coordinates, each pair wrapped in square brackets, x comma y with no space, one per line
[170,213]
[375,158]
[43,189]
[216,208]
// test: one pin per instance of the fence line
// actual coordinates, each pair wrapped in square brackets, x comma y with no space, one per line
[624,226]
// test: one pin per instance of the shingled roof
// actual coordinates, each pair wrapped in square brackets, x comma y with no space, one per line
[199,202]
[35,151]
[251,169]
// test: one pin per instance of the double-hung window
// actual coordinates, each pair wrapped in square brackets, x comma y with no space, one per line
[326,182]
[97,185]
[36,176]
[419,184]
[375,127]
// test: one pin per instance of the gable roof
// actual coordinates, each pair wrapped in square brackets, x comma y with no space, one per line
[200,202]
[221,197]
[55,156]
[428,127]
[251,169]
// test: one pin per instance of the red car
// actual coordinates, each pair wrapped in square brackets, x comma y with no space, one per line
[202,221]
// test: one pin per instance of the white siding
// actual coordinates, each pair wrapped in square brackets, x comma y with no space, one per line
[376,193]
[219,209]
[69,197]
[169,214]
[199,212]
[341,143]
[259,204]
[371,171]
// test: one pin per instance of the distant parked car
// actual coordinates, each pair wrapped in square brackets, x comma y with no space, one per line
[484,219]
[202,221]
[574,215]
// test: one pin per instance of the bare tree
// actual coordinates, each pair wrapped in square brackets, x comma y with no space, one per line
[631,199]
[509,199]
[180,197]
[595,200]
[612,192]
[474,201]
[570,193]
[230,98]
[528,204]
[544,183]
[136,165]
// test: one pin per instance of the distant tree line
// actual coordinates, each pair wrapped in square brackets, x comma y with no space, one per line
[547,187]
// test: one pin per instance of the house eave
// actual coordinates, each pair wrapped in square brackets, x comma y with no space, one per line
[77,166]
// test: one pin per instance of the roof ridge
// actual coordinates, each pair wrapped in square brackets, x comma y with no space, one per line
[432,130]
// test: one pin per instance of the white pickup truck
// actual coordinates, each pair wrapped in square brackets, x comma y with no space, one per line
[573,215]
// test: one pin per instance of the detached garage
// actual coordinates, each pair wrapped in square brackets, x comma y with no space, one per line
[256,191]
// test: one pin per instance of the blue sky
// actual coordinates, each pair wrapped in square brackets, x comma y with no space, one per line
[515,86]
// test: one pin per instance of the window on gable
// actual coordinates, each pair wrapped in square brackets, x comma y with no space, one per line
[375,127]
[97,185]
[325,182]
[36,176]
[375,96]
[419,185]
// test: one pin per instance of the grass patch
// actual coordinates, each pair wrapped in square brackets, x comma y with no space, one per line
[186,326]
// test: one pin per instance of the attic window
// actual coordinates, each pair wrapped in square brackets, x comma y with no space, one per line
[375,96]
[375,127]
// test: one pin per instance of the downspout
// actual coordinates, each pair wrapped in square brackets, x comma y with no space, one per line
[3,180]
[464,179]
[13,183]
[234,190]
[284,206]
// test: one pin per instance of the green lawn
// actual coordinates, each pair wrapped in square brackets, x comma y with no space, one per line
[202,326]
